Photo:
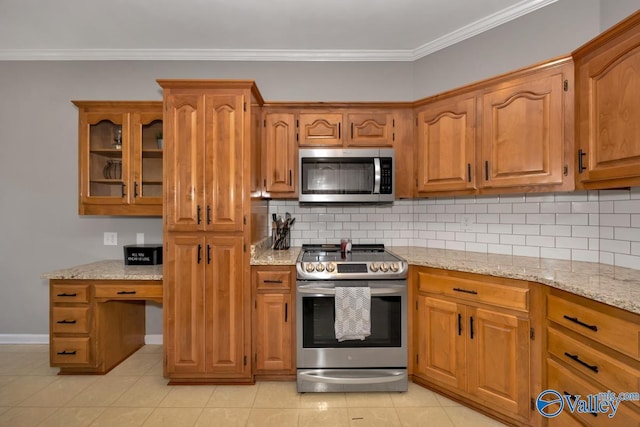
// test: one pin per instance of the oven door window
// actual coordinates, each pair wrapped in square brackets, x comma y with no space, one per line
[337,176]
[318,318]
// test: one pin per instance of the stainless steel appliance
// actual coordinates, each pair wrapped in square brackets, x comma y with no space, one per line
[377,363]
[356,175]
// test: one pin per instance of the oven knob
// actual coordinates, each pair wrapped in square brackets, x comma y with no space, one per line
[309,267]
[320,267]
[331,267]
[373,267]
[394,266]
[384,267]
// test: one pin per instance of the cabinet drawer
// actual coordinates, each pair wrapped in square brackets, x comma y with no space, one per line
[273,279]
[605,328]
[564,381]
[69,293]
[610,372]
[70,351]
[128,292]
[513,297]
[70,320]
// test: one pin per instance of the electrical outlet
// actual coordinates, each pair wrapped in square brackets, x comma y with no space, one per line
[465,223]
[110,238]
[139,238]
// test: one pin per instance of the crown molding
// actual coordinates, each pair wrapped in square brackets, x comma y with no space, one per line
[408,55]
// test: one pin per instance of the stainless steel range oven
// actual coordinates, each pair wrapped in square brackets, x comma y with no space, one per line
[379,361]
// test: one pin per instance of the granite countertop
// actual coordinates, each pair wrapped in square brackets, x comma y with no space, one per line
[107,270]
[616,286]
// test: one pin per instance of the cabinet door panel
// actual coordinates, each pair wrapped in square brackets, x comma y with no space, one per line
[146,159]
[320,129]
[225,295]
[184,162]
[440,341]
[184,304]
[370,129]
[224,153]
[498,359]
[523,133]
[609,110]
[281,153]
[274,330]
[446,146]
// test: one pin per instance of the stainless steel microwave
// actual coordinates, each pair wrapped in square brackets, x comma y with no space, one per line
[350,175]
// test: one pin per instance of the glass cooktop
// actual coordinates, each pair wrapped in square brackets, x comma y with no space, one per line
[359,253]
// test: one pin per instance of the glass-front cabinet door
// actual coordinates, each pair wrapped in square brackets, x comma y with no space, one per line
[120,158]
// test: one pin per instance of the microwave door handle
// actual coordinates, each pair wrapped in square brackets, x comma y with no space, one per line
[377,175]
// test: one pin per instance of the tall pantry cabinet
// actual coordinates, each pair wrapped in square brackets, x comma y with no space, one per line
[207,229]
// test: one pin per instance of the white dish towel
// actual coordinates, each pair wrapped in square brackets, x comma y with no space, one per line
[353,313]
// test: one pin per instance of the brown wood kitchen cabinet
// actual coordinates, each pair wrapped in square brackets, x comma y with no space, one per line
[511,133]
[472,340]
[593,348]
[608,108]
[120,161]
[96,324]
[208,126]
[274,321]
[280,155]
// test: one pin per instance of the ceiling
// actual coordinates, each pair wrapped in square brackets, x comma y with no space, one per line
[274,30]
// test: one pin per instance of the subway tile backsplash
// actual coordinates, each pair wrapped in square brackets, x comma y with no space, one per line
[595,226]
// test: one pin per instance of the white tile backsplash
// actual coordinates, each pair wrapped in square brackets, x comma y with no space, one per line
[592,226]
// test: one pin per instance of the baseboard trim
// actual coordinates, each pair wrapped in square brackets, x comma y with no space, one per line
[44,339]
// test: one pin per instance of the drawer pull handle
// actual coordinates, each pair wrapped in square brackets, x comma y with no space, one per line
[272,281]
[576,358]
[466,291]
[65,294]
[575,320]
[67,353]
[126,292]
[67,322]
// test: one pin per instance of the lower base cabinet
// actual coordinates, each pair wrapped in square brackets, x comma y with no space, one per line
[472,340]
[274,322]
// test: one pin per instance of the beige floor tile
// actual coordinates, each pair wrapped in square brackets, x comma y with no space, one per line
[264,417]
[373,417]
[195,396]
[369,400]
[445,401]
[336,417]
[156,369]
[15,363]
[322,400]
[274,394]
[418,417]
[72,417]
[173,417]
[462,416]
[233,396]
[25,417]
[122,417]
[150,348]
[223,417]
[137,364]
[4,409]
[147,392]
[414,396]
[6,379]
[21,388]
[103,392]
[60,391]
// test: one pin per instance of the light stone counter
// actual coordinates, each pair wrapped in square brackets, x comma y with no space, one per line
[107,270]
[273,257]
[616,286]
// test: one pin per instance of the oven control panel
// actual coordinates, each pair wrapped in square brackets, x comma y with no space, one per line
[321,270]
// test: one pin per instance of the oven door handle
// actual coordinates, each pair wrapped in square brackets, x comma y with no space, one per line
[332,291]
[321,378]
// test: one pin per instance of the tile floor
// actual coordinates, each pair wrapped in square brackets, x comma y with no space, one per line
[136,394]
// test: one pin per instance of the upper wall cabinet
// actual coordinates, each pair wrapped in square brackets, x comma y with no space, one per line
[346,128]
[608,108]
[527,131]
[512,133]
[280,154]
[120,158]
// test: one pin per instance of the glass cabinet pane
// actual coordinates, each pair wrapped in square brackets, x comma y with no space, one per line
[105,159]
[151,164]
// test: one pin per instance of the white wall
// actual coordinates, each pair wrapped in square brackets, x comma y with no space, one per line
[39,224]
